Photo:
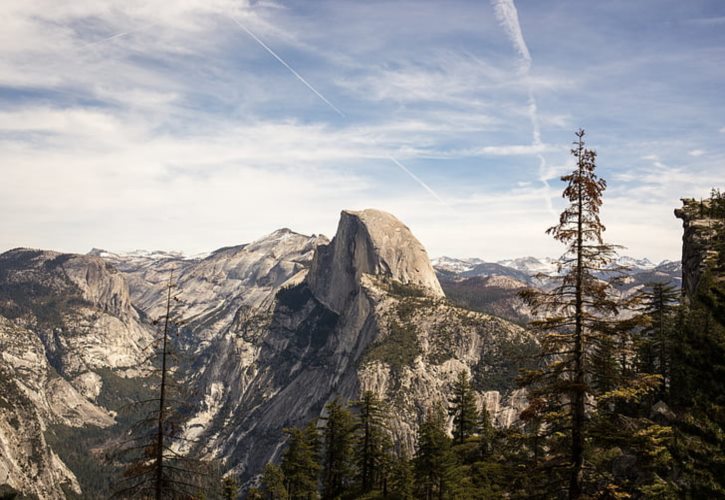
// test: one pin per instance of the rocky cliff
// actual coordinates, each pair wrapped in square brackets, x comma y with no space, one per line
[63,318]
[697,250]
[273,330]
[369,314]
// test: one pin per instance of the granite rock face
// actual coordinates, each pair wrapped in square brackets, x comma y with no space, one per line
[369,242]
[62,318]
[274,330]
[369,314]
[697,253]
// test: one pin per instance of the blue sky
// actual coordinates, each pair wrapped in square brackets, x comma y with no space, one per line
[195,124]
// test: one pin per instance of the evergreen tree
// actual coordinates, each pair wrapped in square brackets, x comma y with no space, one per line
[433,457]
[337,461]
[300,463]
[463,409]
[370,438]
[230,488]
[402,484]
[273,483]
[486,432]
[655,341]
[575,325]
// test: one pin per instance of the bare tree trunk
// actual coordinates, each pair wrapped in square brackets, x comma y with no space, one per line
[162,399]
[577,435]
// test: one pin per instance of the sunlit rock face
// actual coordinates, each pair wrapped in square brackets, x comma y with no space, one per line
[369,242]
[273,330]
[63,318]
[369,314]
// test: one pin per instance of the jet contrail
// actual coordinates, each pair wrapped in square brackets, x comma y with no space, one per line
[290,68]
[117,35]
[337,110]
[419,181]
[508,17]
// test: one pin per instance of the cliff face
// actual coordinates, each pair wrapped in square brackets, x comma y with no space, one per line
[697,251]
[273,331]
[369,314]
[62,318]
[369,242]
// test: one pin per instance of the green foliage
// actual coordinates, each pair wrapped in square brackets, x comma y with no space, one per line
[399,347]
[463,409]
[402,480]
[337,446]
[230,488]
[273,483]
[371,441]
[698,392]
[433,460]
[300,462]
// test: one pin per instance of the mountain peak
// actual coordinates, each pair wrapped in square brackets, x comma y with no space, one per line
[369,242]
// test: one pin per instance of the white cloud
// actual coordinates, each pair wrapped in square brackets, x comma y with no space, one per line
[696,152]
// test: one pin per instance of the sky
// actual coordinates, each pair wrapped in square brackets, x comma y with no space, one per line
[196,124]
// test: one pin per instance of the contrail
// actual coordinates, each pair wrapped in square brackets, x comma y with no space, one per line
[508,17]
[419,181]
[117,35]
[324,99]
[290,68]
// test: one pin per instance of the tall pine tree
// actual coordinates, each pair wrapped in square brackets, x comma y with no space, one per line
[574,323]
[463,409]
[337,462]
[369,449]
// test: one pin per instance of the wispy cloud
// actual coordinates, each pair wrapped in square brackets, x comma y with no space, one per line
[508,17]
[114,115]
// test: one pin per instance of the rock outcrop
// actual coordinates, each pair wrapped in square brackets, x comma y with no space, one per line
[273,331]
[62,318]
[369,314]
[369,242]
[697,252]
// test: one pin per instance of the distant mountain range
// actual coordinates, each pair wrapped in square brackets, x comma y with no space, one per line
[493,287]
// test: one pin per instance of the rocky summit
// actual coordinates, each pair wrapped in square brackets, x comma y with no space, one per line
[273,330]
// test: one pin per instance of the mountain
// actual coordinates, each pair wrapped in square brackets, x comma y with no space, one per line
[64,320]
[272,331]
[493,287]
[369,314]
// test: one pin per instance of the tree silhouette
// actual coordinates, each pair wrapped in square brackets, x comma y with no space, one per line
[154,465]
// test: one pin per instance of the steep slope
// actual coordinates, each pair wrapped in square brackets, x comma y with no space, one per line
[369,314]
[63,319]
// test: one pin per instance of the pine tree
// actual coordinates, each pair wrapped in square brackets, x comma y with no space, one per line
[655,341]
[575,322]
[402,484]
[337,461]
[463,409]
[371,435]
[486,432]
[230,488]
[300,462]
[433,458]
[273,483]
